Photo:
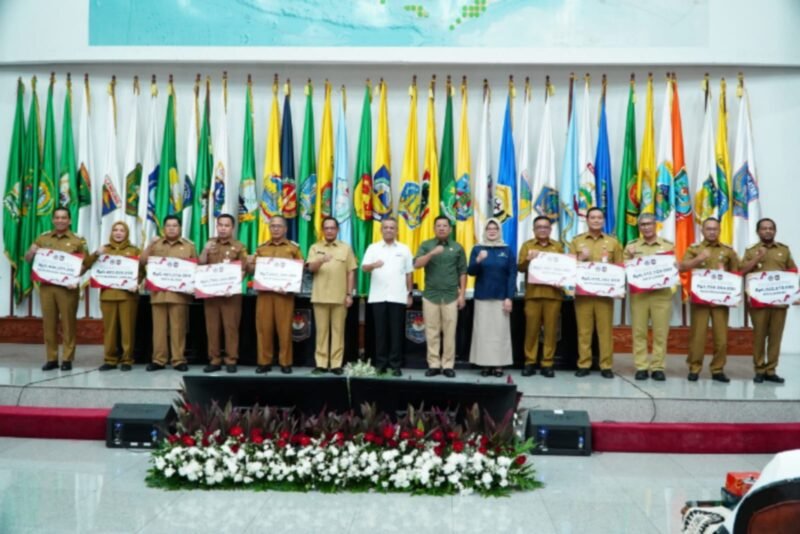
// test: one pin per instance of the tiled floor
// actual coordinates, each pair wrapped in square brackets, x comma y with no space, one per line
[59,486]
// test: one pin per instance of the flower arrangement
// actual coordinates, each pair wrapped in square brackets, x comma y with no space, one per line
[360,368]
[266,448]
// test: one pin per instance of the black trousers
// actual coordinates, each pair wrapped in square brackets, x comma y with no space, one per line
[389,320]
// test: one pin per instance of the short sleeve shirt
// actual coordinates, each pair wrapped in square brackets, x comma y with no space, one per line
[442,272]
[388,282]
[330,281]
[539,291]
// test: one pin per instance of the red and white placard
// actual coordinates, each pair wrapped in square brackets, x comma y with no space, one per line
[552,269]
[170,274]
[649,273]
[115,272]
[715,287]
[598,279]
[278,274]
[772,288]
[57,268]
[218,280]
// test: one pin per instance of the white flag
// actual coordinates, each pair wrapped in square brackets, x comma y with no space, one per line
[545,191]
[112,207]
[746,198]
[88,213]
[587,194]
[664,197]
[191,164]
[225,192]
[132,170]
[524,229]
[148,226]
[484,184]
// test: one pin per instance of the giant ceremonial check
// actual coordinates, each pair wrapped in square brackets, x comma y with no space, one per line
[772,288]
[218,280]
[600,280]
[278,274]
[170,274]
[115,272]
[648,273]
[716,288]
[550,269]
[57,268]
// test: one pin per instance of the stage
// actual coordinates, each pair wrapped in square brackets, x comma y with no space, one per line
[22,383]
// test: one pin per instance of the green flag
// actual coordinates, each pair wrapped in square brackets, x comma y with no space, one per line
[447,171]
[46,202]
[248,202]
[30,186]
[202,182]
[68,177]
[12,199]
[362,191]
[168,177]
[628,204]
[307,180]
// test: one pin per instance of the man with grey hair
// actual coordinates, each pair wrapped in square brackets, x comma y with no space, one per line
[650,306]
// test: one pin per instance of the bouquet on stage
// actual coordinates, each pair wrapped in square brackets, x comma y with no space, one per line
[649,273]
[596,279]
[278,274]
[772,288]
[218,280]
[716,288]
[115,272]
[170,274]
[551,269]
[57,268]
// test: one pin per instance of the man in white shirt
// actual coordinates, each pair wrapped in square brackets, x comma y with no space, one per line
[391,266]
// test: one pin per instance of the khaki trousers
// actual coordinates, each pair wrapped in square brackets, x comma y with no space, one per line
[329,321]
[538,312]
[440,320]
[768,326]
[59,304]
[119,324]
[169,321]
[274,313]
[595,313]
[655,307]
[223,313]
[697,337]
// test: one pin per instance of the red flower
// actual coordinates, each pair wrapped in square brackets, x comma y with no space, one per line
[484,441]
[391,443]
[304,441]
[173,439]
[204,442]
[419,433]
[269,435]
[257,439]
[458,446]
[188,440]
[378,441]
[236,431]
[412,443]
[438,435]
[256,432]
[482,449]
[388,431]
[405,434]
[284,435]
[234,448]
[520,460]
[281,443]
[369,437]
[339,436]
[451,435]
[437,450]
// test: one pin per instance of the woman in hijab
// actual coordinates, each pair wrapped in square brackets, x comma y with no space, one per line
[118,305]
[494,268]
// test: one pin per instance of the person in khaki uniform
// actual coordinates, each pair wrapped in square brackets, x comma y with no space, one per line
[445,265]
[655,306]
[768,322]
[59,303]
[274,309]
[223,313]
[170,309]
[709,254]
[542,303]
[333,264]
[118,306]
[595,312]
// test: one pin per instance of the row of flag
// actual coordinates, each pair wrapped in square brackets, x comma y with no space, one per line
[146,185]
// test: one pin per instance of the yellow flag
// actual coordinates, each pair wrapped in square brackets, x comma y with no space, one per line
[323,207]
[465,225]
[646,179]
[382,174]
[270,203]
[408,206]
[429,194]
[724,179]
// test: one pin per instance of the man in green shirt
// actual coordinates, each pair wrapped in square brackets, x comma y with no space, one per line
[445,267]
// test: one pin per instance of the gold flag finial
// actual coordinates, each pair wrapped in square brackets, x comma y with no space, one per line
[432,87]
[740,85]
[287,87]
[275,85]
[527,87]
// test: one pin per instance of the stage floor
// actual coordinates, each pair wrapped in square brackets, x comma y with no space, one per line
[622,399]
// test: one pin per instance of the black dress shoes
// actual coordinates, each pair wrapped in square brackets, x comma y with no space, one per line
[107,367]
[449,373]
[530,370]
[759,378]
[286,369]
[548,372]
[212,368]
[337,371]
[230,368]
[181,367]
[49,366]
[774,378]
[397,372]
[486,371]
[607,373]
[261,369]
[641,375]
[66,366]
[319,371]
[720,377]
[126,367]
[658,376]
[154,367]
[432,372]
[692,377]
[582,372]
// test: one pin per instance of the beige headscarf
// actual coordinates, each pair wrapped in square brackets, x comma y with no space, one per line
[485,242]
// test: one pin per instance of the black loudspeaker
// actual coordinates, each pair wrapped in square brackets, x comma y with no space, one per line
[560,432]
[138,426]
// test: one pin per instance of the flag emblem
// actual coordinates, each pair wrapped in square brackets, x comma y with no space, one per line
[547,204]
[289,199]
[502,208]
[110,197]
[463,203]
[409,204]
[382,190]
[308,196]
[683,198]
[219,190]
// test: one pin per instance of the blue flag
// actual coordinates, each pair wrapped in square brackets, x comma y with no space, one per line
[342,208]
[602,169]
[504,201]
[568,217]
[289,183]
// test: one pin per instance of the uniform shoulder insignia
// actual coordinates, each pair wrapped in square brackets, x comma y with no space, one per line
[294,243]
[45,233]
[667,241]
